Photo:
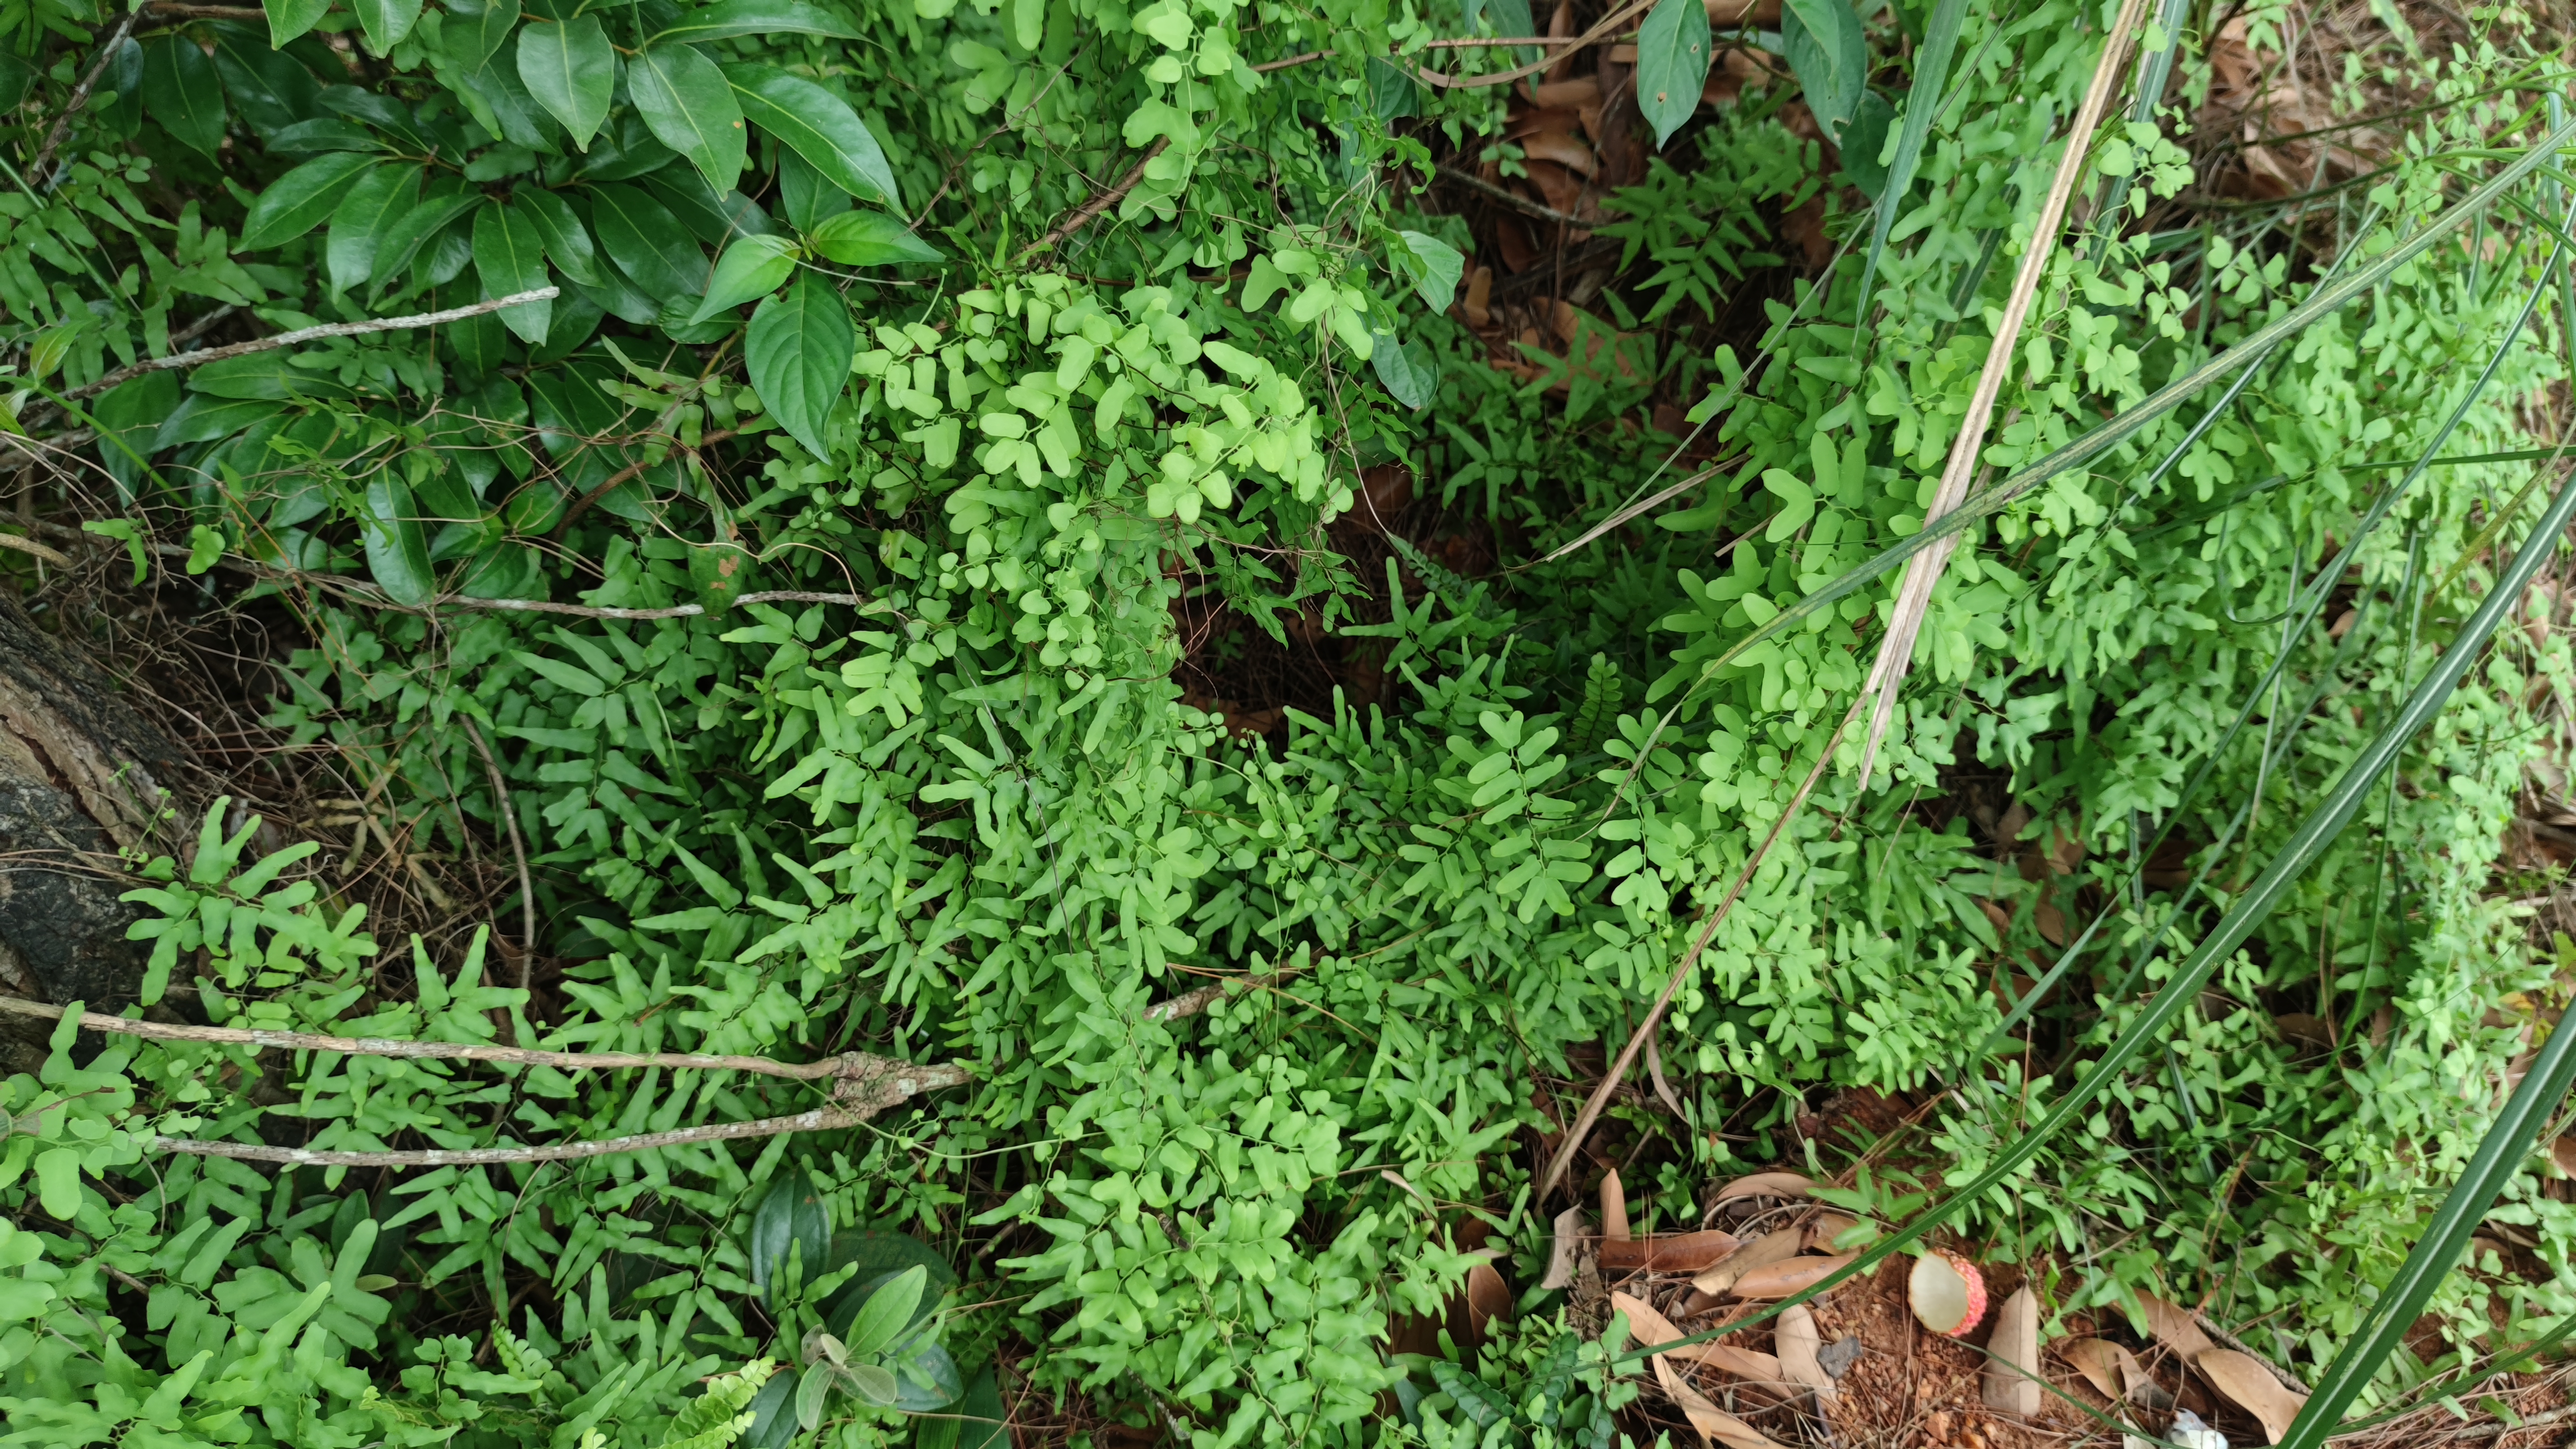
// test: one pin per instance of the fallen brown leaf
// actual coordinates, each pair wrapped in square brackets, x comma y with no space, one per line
[2174,1328]
[1767,1184]
[1714,1424]
[2103,1363]
[2244,1379]
[1793,1276]
[1760,1253]
[1794,1335]
[2012,1366]
[1650,1328]
[1667,1252]
[1614,1208]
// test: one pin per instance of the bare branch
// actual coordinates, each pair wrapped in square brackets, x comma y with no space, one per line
[518,850]
[35,172]
[302,335]
[848,1068]
[1098,204]
[821,1119]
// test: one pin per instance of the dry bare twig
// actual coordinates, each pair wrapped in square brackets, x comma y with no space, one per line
[302,335]
[1914,592]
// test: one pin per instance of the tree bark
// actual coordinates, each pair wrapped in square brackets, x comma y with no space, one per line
[83,776]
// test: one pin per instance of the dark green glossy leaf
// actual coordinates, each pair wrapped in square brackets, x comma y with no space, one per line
[269,89]
[887,1312]
[567,238]
[323,133]
[871,239]
[509,257]
[397,552]
[820,126]
[792,1216]
[386,22]
[296,202]
[926,1378]
[773,1414]
[134,412]
[375,204]
[691,109]
[468,38]
[804,197]
[202,418]
[647,242]
[712,216]
[182,91]
[444,199]
[570,68]
[750,269]
[288,19]
[798,352]
[1672,64]
[1830,53]
[505,570]
[1864,139]
[729,18]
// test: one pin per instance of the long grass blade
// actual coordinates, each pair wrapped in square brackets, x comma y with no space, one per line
[2498,1158]
[1931,66]
[2256,346]
[2152,1024]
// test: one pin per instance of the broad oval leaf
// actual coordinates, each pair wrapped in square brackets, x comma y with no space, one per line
[871,239]
[691,109]
[567,239]
[647,242]
[509,257]
[386,22]
[1672,64]
[379,199]
[571,69]
[397,551]
[288,19]
[926,1378]
[820,126]
[798,351]
[1830,53]
[183,93]
[753,17]
[887,1312]
[1411,374]
[1864,139]
[753,267]
[469,38]
[1435,267]
[444,199]
[296,202]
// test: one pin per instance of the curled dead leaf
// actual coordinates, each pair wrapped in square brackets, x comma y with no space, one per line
[2174,1328]
[1767,1184]
[1794,1335]
[1759,1253]
[1667,1252]
[1479,301]
[2252,1385]
[1796,1275]
[1715,1425]
[1614,1208]
[2012,1364]
[1650,1328]
[2105,1365]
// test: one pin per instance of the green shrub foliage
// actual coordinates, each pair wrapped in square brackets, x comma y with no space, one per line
[850,302]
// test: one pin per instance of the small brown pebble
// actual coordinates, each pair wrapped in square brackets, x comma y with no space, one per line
[1938,1426]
